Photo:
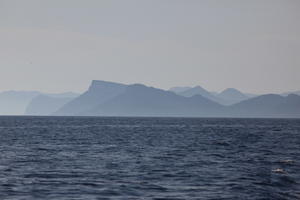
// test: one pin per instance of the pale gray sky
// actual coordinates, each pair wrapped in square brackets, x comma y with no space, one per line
[61,45]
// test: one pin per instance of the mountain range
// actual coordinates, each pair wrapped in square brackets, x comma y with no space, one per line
[30,102]
[227,97]
[105,98]
[15,102]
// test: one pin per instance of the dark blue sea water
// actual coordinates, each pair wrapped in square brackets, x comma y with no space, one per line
[149,158]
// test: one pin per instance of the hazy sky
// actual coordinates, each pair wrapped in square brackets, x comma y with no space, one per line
[61,45]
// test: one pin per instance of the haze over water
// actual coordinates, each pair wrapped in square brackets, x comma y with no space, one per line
[149,158]
[177,96]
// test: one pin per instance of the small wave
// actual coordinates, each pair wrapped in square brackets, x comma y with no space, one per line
[288,161]
[278,170]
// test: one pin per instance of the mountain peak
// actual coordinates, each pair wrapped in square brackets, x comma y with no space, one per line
[99,84]
[232,91]
[138,85]
[198,87]
[232,94]
[194,91]
[98,92]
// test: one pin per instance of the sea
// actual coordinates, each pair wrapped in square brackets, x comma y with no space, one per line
[71,158]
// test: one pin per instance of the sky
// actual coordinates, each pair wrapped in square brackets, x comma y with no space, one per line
[61,45]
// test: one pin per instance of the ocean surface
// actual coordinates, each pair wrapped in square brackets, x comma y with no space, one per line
[64,158]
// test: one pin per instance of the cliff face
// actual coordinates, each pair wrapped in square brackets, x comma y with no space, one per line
[140,100]
[98,92]
[114,99]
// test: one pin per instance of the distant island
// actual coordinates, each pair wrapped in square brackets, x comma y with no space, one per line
[105,98]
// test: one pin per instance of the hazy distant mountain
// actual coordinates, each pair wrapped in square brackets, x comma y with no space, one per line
[15,102]
[179,89]
[227,97]
[287,93]
[114,99]
[251,95]
[63,95]
[271,105]
[198,90]
[231,96]
[47,105]
[140,100]
[99,92]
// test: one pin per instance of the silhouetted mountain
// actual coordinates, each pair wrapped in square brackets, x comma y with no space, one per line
[99,92]
[179,89]
[231,96]
[270,105]
[114,99]
[287,93]
[251,95]
[15,102]
[140,100]
[47,105]
[227,97]
[198,90]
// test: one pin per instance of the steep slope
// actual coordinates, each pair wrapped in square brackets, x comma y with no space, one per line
[46,105]
[232,96]
[114,99]
[270,105]
[140,100]
[99,92]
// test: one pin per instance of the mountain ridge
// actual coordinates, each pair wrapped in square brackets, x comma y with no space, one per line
[228,96]
[105,98]
[46,104]
[14,102]
[141,100]
[98,91]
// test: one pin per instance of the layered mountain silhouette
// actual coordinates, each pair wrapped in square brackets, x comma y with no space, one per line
[17,102]
[179,89]
[270,105]
[114,99]
[227,97]
[231,96]
[99,92]
[198,90]
[140,100]
[105,98]
[288,93]
[47,105]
